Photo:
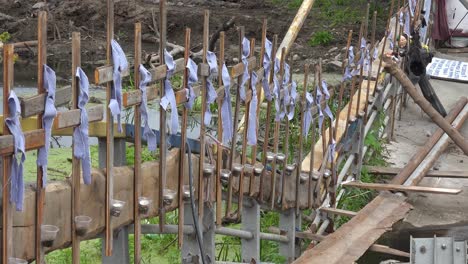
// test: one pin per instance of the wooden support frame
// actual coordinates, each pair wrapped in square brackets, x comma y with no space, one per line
[402,188]
[432,174]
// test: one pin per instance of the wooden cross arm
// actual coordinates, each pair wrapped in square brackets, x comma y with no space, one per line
[403,188]
[72,118]
[238,69]
[133,97]
[34,105]
[33,140]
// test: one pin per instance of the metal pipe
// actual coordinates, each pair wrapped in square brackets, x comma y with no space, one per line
[274,237]
[234,232]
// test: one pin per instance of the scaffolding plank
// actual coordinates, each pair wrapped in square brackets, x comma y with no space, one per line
[403,188]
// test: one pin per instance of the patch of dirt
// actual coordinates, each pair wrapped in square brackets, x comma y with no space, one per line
[89,17]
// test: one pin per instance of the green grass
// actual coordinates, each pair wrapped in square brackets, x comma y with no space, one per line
[321,38]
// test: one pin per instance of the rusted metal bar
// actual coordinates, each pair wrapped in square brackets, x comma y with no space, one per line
[76,183]
[40,192]
[454,134]
[162,115]
[7,214]
[137,186]
[183,141]
[302,105]
[206,30]
[234,136]
[109,134]
[387,28]
[268,119]
[219,150]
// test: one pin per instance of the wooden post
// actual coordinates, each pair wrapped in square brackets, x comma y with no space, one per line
[268,118]
[76,183]
[313,139]
[183,142]
[206,30]
[219,151]
[162,115]
[7,214]
[137,151]
[40,192]
[286,150]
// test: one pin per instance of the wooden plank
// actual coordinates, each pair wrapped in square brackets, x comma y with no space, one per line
[34,105]
[159,73]
[351,240]
[104,74]
[336,211]
[72,118]
[402,188]
[133,98]
[238,69]
[33,140]
[432,173]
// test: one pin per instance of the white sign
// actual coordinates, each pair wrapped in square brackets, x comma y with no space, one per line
[448,69]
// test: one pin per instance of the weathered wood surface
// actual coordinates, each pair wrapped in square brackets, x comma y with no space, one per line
[33,140]
[58,207]
[35,104]
[431,173]
[72,118]
[353,238]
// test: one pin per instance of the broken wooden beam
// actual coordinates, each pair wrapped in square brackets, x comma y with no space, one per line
[336,211]
[402,188]
[432,173]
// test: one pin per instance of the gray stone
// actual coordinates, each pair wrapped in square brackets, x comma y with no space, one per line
[333,49]
[296,57]
[39,5]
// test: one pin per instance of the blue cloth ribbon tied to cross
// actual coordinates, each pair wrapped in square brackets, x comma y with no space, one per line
[332,151]
[80,133]
[390,39]
[148,133]
[47,120]
[407,24]
[17,160]
[308,118]
[226,110]
[245,61]
[192,79]
[169,95]
[120,64]
[276,90]
[286,93]
[319,108]
[252,131]
[327,110]
[348,72]
[292,100]
[267,67]
[211,94]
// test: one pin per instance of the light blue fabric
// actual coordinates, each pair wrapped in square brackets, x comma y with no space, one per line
[276,90]
[327,110]
[169,95]
[292,100]
[47,120]
[407,24]
[192,79]
[252,131]
[19,155]
[80,133]
[226,109]
[267,68]
[245,61]
[332,150]
[211,94]
[120,64]
[319,108]
[286,93]
[148,133]
[308,118]
[390,40]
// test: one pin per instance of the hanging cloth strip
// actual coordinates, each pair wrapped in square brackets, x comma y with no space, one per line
[329,113]
[412,6]
[17,160]
[308,118]
[286,98]
[348,72]
[226,110]
[267,67]
[120,64]
[252,131]
[319,108]
[276,90]
[245,61]
[148,133]
[390,40]
[47,120]
[192,79]
[407,24]
[169,95]
[211,94]
[292,100]
[80,133]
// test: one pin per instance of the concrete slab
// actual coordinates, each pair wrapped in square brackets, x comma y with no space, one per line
[431,210]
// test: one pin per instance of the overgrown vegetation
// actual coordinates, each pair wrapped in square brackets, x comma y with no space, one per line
[322,38]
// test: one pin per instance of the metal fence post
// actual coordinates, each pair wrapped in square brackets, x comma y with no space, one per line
[287,224]
[190,251]
[251,223]
[120,253]
[120,158]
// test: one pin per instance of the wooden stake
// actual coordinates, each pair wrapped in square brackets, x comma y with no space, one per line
[137,151]
[7,214]
[206,30]
[219,159]
[286,148]
[40,192]
[268,118]
[109,134]
[403,188]
[369,73]
[313,139]
[76,183]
